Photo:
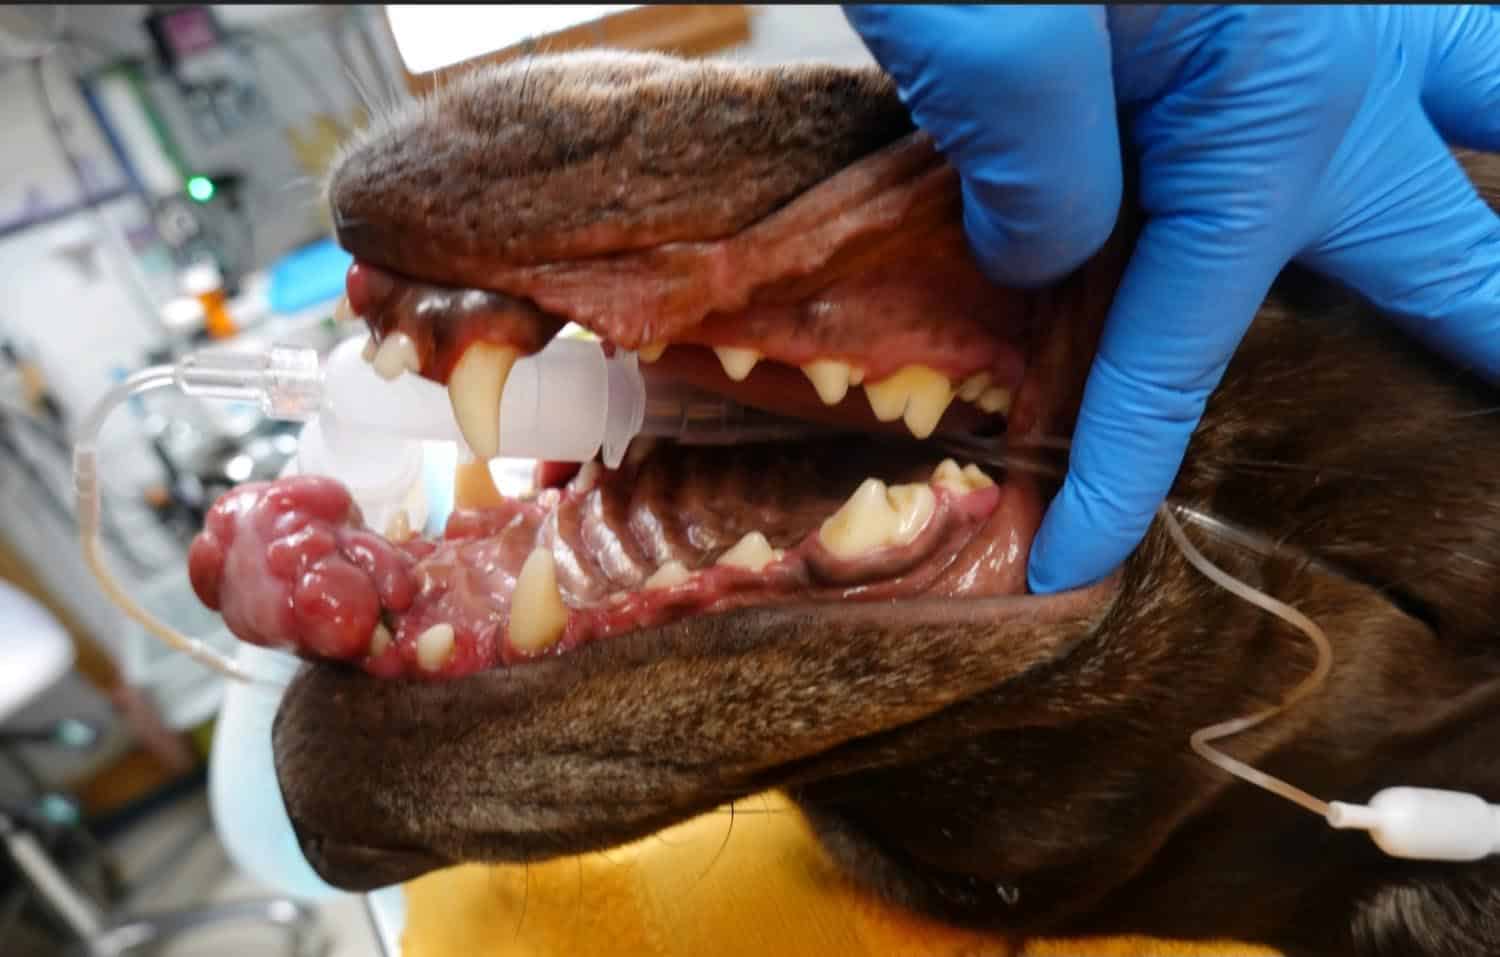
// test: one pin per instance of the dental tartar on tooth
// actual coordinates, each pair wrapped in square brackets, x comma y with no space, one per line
[916,394]
[877,517]
[960,480]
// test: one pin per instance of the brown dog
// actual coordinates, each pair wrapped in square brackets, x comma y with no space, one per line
[988,757]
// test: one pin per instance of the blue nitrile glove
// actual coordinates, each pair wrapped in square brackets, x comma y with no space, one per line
[1264,135]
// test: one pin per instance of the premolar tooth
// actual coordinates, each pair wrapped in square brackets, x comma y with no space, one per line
[380,640]
[876,516]
[670,575]
[474,389]
[753,553]
[974,386]
[737,363]
[831,378]
[435,647]
[537,613]
[916,394]
[960,480]
[651,351]
[397,354]
[994,400]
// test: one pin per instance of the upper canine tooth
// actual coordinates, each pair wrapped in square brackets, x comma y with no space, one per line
[737,363]
[670,575]
[435,647]
[397,354]
[831,378]
[916,394]
[537,613]
[651,351]
[974,386]
[876,516]
[474,389]
[995,400]
[752,553]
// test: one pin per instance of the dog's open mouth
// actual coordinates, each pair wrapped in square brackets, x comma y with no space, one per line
[855,303]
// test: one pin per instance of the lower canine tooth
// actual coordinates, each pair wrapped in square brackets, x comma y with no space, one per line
[435,647]
[474,389]
[994,400]
[752,553]
[397,354]
[876,516]
[974,386]
[537,613]
[670,575]
[917,394]
[737,363]
[830,378]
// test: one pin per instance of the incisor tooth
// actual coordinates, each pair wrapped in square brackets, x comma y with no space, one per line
[368,352]
[398,529]
[974,386]
[670,575]
[397,354]
[876,516]
[342,311]
[651,351]
[831,378]
[380,640]
[994,400]
[751,553]
[474,389]
[916,394]
[537,613]
[737,363]
[435,647]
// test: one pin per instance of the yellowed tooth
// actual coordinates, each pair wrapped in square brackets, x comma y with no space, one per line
[752,553]
[960,480]
[995,400]
[380,640]
[537,613]
[974,386]
[369,351]
[917,394]
[398,529]
[737,363]
[876,516]
[651,351]
[976,477]
[397,354]
[831,379]
[474,389]
[670,575]
[342,311]
[435,647]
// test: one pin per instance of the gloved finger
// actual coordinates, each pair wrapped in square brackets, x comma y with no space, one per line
[1426,250]
[1180,312]
[1461,85]
[1021,101]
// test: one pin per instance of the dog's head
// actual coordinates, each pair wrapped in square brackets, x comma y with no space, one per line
[546,681]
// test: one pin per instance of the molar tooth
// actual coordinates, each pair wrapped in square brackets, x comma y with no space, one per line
[380,640]
[976,477]
[753,553]
[474,389]
[537,613]
[950,476]
[917,394]
[651,351]
[670,575]
[737,362]
[974,386]
[435,647]
[876,516]
[397,354]
[831,378]
[995,400]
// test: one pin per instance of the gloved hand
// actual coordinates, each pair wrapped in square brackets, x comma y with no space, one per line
[1265,135]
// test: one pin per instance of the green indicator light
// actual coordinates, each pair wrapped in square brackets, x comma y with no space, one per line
[201,188]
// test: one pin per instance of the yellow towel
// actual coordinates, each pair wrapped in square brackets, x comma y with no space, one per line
[702,888]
